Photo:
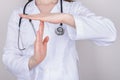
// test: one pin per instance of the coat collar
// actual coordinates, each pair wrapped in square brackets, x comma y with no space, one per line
[33,9]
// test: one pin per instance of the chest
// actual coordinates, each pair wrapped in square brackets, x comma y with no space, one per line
[28,32]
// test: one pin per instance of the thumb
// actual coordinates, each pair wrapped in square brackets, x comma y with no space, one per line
[45,41]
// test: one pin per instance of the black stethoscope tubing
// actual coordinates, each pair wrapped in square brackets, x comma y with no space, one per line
[20,20]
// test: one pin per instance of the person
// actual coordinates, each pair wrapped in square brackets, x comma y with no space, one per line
[39,53]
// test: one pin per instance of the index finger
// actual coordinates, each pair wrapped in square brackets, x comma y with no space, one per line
[32,17]
[41,30]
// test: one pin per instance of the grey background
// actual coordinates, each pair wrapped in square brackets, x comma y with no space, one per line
[96,63]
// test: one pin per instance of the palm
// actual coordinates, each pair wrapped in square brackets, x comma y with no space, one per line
[51,17]
[40,46]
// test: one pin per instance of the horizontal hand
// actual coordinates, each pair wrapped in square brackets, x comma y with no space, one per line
[54,18]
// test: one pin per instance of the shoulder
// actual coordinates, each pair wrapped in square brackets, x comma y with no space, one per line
[73,3]
[72,6]
[77,8]
[16,12]
[14,17]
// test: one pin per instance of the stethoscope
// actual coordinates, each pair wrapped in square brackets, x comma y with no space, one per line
[58,31]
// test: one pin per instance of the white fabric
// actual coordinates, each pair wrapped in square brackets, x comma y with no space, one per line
[61,60]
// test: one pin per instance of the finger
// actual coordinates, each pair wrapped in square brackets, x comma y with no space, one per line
[45,41]
[33,16]
[41,30]
[38,37]
[37,42]
[53,18]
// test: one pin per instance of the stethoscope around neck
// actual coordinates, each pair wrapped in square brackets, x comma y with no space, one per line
[58,31]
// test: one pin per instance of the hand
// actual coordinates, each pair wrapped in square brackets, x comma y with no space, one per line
[54,18]
[51,17]
[40,48]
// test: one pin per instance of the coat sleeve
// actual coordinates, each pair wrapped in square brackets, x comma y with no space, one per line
[89,26]
[12,57]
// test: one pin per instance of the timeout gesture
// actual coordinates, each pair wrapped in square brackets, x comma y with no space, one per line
[40,47]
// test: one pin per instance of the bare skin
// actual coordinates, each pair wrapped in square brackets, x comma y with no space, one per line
[40,45]
[52,18]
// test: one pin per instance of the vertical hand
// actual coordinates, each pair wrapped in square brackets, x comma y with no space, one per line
[40,47]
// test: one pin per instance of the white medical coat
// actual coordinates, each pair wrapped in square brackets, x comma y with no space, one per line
[61,60]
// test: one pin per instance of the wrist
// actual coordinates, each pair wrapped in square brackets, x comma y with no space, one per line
[68,19]
[32,62]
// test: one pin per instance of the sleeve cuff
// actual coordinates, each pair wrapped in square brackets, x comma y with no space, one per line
[77,32]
